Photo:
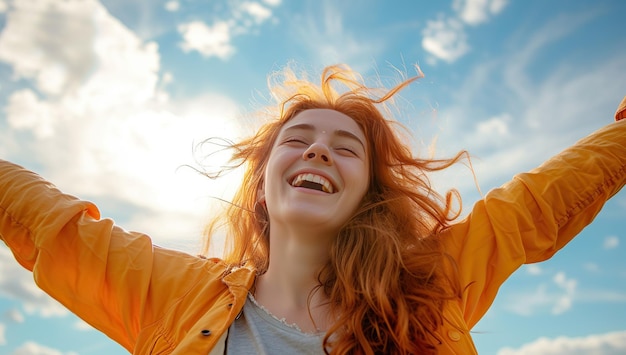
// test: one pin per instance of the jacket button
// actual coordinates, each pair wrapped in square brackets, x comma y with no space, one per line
[205,332]
[454,335]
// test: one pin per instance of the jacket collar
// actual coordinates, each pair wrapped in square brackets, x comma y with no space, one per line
[241,277]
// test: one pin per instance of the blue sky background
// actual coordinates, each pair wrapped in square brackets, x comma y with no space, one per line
[106,99]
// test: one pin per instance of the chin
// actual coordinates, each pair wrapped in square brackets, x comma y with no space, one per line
[324,220]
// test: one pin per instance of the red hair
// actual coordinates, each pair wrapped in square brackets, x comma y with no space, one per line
[385,277]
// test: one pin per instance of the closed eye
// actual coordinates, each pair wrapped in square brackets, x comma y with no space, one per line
[347,150]
[295,140]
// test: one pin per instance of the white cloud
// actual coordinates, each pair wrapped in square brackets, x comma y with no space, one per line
[25,111]
[621,202]
[591,267]
[495,126]
[445,39]
[492,133]
[113,129]
[215,40]
[101,54]
[475,12]
[14,316]
[547,113]
[496,6]
[273,2]
[565,301]
[611,242]
[527,303]
[3,339]
[3,6]
[17,283]
[172,6]
[556,298]
[258,12]
[60,67]
[82,325]
[210,41]
[533,269]
[602,344]
[32,348]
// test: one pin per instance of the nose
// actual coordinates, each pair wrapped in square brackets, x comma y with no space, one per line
[318,152]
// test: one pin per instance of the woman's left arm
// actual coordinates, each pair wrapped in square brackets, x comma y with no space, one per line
[534,215]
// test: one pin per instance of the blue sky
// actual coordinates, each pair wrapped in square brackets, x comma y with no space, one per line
[107,98]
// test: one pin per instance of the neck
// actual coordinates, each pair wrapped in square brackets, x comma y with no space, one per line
[287,288]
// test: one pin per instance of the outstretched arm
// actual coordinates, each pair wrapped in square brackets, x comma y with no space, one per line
[115,280]
[537,213]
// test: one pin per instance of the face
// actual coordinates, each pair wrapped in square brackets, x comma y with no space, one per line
[318,171]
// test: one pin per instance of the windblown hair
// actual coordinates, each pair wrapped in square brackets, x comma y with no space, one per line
[385,277]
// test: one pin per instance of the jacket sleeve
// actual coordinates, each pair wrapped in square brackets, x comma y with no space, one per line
[533,216]
[620,113]
[99,271]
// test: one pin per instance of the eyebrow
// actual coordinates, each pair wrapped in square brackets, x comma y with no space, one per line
[338,132]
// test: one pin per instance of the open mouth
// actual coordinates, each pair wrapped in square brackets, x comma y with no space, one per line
[313,182]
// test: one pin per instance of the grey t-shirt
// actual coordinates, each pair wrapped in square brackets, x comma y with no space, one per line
[256,331]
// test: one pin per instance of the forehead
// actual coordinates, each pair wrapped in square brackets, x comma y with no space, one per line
[326,120]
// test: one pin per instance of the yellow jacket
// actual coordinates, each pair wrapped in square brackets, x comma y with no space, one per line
[158,301]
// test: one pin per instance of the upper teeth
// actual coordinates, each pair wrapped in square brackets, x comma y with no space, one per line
[326,185]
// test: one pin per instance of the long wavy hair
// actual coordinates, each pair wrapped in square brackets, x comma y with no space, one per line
[385,277]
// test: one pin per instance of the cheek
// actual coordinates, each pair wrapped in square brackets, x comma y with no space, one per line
[359,177]
[268,180]
[274,170]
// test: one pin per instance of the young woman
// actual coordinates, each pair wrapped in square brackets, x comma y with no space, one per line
[337,243]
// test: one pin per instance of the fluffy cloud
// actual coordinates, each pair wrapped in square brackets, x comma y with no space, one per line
[104,128]
[49,25]
[210,41]
[32,348]
[17,283]
[273,2]
[445,39]
[101,55]
[540,127]
[172,6]
[3,339]
[556,297]
[564,302]
[81,325]
[14,315]
[603,344]
[497,128]
[257,11]
[215,40]
[611,242]
[591,267]
[533,269]
[25,111]
[475,12]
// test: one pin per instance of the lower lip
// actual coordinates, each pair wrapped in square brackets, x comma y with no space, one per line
[310,191]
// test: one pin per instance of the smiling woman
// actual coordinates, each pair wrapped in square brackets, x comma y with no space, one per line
[310,155]
[337,243]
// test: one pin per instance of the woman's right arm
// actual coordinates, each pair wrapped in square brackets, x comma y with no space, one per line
[96,269]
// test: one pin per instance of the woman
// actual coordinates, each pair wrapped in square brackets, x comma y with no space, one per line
[337,242]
